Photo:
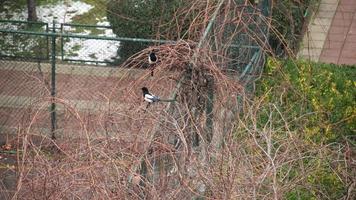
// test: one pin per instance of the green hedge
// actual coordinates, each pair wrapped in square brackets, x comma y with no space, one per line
[319,98]
[318,103]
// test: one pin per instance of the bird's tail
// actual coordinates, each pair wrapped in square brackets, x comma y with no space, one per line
[167,100]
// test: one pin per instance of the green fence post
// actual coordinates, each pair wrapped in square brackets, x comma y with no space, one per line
[209,110]
[53,83]
[62,42]
[47,42]
[266,8]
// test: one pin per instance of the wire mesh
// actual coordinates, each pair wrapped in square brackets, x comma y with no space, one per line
[103,124]
[24,92]
[22,45]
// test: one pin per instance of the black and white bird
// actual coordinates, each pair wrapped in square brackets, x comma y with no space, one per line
[150,98]
[152,59]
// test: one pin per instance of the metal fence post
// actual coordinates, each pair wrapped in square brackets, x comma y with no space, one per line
[47,42]
[62,43]
[209,110]
[53,83]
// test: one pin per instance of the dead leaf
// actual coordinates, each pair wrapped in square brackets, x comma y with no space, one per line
[6,147]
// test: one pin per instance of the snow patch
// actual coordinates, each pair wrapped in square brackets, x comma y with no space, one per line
[76,49]
[91,49]
[61,12]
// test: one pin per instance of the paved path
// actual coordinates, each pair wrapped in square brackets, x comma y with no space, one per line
[331,36]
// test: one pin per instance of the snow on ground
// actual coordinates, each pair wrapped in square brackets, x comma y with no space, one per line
[91,49]
[76,49]
[60,12]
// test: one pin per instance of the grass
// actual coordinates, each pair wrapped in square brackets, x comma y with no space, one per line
[94,15]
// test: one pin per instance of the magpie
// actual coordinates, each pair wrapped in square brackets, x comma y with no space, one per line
[150,98]
[152,59]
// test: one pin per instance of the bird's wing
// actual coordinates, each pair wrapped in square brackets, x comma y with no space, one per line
[148,99]
[156,98]
[151,98]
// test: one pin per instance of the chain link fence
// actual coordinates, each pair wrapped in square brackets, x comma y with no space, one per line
[51,67]
[56,62]
[45,60]
[72,79]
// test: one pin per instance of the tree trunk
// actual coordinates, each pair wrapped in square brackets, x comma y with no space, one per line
[31,6]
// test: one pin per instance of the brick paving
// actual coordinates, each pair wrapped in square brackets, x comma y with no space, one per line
[340,44]
[317,31]
[331,37]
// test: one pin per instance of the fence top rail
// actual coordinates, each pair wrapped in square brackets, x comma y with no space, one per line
[85,25]
[67,35]
[58,34]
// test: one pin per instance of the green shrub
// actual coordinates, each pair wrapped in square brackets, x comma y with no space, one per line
[318,103]
[319,98]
